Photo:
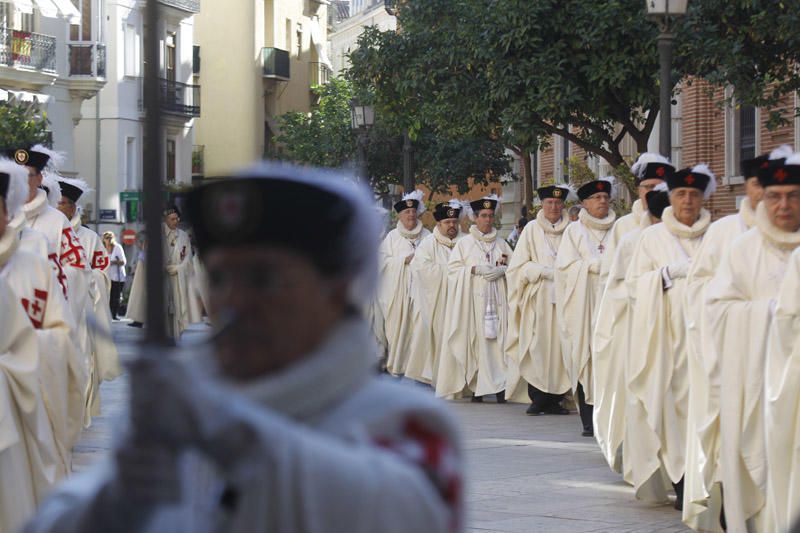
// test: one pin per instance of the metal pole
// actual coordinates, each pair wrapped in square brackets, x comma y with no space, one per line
[665,44]
[362,157]
[408,171]
[153,196]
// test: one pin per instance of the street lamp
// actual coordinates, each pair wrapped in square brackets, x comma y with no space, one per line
[664,12]
[362,118]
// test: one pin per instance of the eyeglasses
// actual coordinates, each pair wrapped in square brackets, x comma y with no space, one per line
[773,197]
[648,187]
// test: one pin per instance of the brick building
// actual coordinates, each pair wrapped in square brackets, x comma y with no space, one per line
[704,130]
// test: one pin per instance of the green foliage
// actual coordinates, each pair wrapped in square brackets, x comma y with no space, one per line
[22,124]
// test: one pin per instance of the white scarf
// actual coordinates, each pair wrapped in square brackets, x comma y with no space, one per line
[747,214]
[9,243]
[785,241]
[679,229]
[553,229]
[444,239]
[491,318]
[35,207]
[346,353]
[600,224]
[412,235]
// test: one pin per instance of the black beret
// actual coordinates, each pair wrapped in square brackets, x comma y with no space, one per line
[777,172]
[687,178]
[657,201]
[244,212]
[70,191]
[750,167]
[656,171]
[552,191]
[402,205]
[483,203]
[28,158]
[594,187]
[444,210]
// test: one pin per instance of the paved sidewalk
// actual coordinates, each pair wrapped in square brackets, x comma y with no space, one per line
[524,474]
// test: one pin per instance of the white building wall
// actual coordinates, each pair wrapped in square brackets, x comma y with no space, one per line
[343,37]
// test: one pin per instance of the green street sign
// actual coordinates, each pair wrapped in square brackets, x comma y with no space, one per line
[130,196]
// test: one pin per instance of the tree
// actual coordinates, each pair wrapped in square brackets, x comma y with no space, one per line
[521,71]
[324,138]
[22,124]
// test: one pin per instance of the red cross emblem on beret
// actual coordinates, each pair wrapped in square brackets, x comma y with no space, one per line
[601,186]
[780,175]
[660,172]
[689,179]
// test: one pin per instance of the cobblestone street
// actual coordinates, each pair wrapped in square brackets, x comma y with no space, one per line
[525,474]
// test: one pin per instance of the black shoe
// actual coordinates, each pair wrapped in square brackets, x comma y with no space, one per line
[534,410]
[477,399]
[501,396]
[678,495]
[557,409]
[135,324]
[587,433]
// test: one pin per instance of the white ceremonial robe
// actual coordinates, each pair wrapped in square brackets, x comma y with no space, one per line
[578,290]
[178,259]
[533,343]
[782,403]
[394,294]
[630,222]
[658,376]
[58,363]
[469,359]
[611,345]
[137,305]
[739,299]
[429,299]
[702,495]
[366,454]
[198,291]
[104,360]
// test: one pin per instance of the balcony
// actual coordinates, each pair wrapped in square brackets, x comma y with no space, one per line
[275,63]
[180,98]
[27,51]
[87,59]
[189,6]
[319,74]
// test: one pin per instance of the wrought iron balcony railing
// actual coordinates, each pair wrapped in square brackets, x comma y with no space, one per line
[175,97]
[27,50]
[87,59]
[275,63]
[319,74]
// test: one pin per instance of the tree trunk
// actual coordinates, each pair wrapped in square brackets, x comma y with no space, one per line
[526,192]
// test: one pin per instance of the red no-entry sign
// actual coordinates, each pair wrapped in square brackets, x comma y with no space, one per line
[129,237]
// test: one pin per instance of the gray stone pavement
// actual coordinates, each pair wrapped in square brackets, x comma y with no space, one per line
[524,474]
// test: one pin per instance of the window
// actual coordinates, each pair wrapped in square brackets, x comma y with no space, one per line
[747,133]
[288,36]
[171,171]
[170,56]
[564,159]
[131,51]
[131,181]
[299,35]
[195,60]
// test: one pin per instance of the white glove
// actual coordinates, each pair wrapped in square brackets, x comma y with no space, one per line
[594,266]
[172,270]
[679,269]
[496,273]
[547,273]
[482,270]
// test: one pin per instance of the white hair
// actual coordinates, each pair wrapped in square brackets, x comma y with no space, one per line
[18,188]
[645,159]
[360,241]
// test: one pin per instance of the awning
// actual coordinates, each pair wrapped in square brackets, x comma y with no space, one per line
[24,96]
[49,8]
[319,43]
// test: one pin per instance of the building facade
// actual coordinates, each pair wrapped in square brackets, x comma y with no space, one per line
[347,20]
[111,134]
[259,59]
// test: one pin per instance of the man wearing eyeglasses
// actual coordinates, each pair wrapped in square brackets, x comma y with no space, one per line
[741,300]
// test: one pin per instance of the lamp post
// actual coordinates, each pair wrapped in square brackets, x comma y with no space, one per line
[362,119]
[664,12]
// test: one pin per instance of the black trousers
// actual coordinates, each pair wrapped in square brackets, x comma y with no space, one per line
[543,400]
[585,409]
[116,296]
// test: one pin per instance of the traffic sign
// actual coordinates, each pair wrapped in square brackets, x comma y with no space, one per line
[129,237]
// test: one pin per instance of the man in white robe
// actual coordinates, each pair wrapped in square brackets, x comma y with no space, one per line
[533,343]
[104,361]
[702,495]
[38,374]
[740,299]
[611,338]
[782,403]
[240,436]
[658,379]
[472,356]
[429,291]
[394,294]
[178,266]
[586,245]
[136,309]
